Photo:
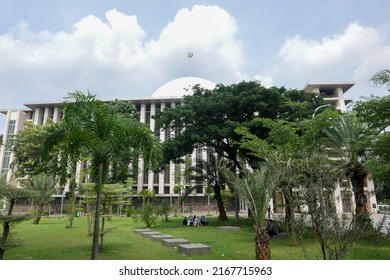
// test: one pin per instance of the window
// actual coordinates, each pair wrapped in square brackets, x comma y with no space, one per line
[146,178]
[346,201]
[7,148]
[147,114]
[167,175]
[156,178]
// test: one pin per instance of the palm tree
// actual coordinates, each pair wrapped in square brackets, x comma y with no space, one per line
[257,189]
[68,143]
[45,187]
[102,134]
[345,143]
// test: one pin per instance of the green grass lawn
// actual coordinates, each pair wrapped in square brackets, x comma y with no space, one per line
[50,240]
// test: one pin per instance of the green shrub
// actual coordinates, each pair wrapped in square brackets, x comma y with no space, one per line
[148,214]
[130,211]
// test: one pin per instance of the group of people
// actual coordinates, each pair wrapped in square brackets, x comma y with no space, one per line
[195,221]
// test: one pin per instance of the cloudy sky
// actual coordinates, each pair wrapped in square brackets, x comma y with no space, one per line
[128,49]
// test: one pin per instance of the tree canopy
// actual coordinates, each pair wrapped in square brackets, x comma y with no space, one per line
[209,117]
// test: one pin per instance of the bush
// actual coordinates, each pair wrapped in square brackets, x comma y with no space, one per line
[130,211]
[147,214]
[163,210]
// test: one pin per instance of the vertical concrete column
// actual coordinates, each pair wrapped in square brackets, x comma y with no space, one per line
[56,114]
[140,179]
[45,114]
[341,102]
[152,113]
[142,113]
[338,198]
[37,116]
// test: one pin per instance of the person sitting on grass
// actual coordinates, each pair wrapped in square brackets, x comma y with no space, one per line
[190,221]
[271,228]
[203,221]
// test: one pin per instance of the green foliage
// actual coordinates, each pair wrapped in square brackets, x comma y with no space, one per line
[31,158]
[44,185]
[163,210]
[381,78]
[147,196]
[112,194]
[124,107]
[11,194]
[130,211]
[257,187]
[210,117]
[374,113]
[148,214]
[101,134]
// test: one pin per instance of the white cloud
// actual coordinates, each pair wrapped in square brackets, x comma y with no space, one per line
[113,58]
[353,55]
[207,31]
[266,81]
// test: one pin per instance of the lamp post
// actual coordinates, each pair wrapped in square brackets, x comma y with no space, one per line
[319,107]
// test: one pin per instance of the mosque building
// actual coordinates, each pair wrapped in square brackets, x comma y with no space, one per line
[169,95]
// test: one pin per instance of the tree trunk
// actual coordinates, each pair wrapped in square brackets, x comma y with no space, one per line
[73,200]
[102,235]
[72,209]
[358,177]
[39,214]
[4,238]
[6,230]
[221,209]
[95,241]
[236,208]
[289,213]
[263,251]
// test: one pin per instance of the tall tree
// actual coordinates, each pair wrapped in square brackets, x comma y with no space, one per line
[257,189]
[102,134]
[346,144]
[287,139]
[27,148]
[374,113]
[209,117]
[317,175]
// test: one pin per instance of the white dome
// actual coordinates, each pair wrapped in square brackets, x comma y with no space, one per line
[183,86]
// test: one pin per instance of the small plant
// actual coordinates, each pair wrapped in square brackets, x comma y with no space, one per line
[130,211]
[164,210]
[147,213]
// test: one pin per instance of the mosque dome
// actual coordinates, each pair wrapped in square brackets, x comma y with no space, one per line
[182,86]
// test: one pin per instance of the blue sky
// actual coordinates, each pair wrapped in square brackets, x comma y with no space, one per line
[128,49]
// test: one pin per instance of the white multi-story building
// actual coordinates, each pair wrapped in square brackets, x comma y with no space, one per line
[169,95]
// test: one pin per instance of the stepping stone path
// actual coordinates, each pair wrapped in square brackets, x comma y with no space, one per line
[183,246]
[193,249]
[174,242]
[160,237]
[139,231]
[149,233]
[228,228]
